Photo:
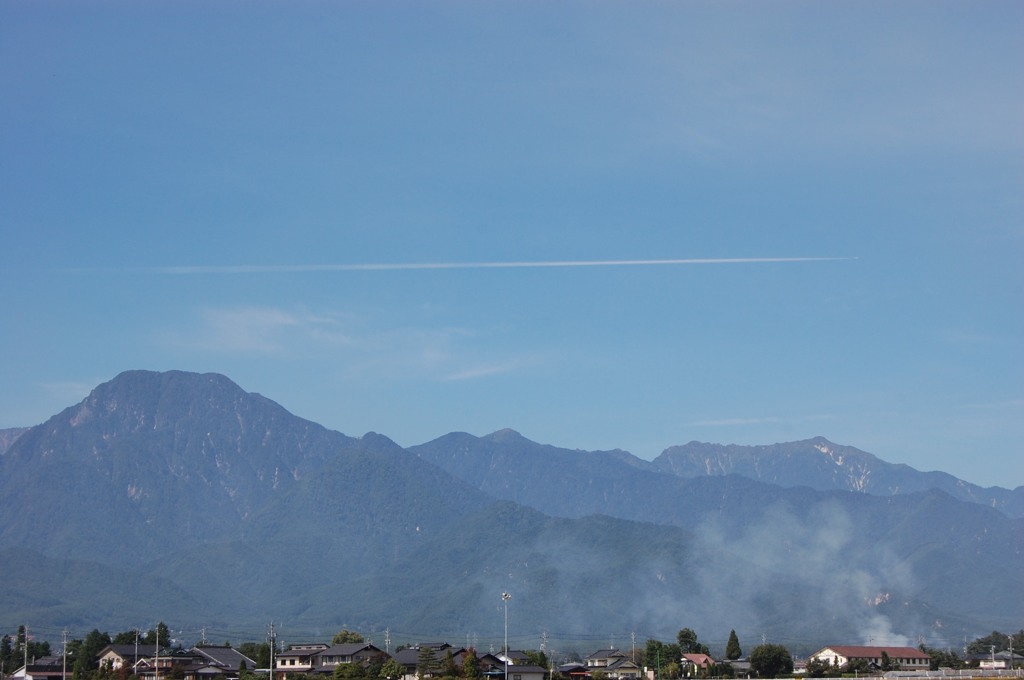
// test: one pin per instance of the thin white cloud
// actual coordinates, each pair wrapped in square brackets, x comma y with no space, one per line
[409,266]
[482,371]
[258,330]
[356,346]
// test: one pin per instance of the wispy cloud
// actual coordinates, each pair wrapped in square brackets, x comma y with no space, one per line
[411,266]
[483,371]
[360,347]
[258,330]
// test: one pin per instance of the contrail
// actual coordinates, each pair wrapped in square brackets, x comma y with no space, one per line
[408,266]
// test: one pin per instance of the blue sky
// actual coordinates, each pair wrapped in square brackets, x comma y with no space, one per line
[185,185]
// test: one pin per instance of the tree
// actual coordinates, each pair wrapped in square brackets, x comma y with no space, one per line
[391,670]
[161,636]
[983,645]
[819,668]
[856,666]
[537,658]
[471,665]
[345,637]
[448,667]
[942,658]
[349,671]
[769,660]
[25,646]
[886,661]
[257,651]
[732,648]
[688,642]
[127,637]
[426,662]
[373,667]
[84,652]
[658,656]
[6,654]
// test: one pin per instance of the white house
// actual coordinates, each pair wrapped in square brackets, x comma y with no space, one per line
[907,658]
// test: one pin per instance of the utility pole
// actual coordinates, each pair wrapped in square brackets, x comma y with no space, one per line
[387,641]
[505,597]
[273,643]
[156,654]
[64,655]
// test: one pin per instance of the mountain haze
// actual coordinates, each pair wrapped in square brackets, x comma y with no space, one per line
[180,496]
[820,464]
[910,548]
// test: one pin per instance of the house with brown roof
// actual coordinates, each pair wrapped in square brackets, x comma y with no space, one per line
[906,658]
[691,664]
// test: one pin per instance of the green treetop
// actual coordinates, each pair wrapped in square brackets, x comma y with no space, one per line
[732,648]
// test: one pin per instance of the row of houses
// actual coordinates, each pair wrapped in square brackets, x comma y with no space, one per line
[213,662]
[313,659]
[318,659]
[202,662]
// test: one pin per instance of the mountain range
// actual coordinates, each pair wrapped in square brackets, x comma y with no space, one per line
[179,496]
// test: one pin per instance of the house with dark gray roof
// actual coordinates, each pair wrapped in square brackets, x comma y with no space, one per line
[228,659]
[325,661]
[614,662]
[43,668]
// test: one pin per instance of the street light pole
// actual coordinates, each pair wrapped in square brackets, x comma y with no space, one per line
[505,597]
